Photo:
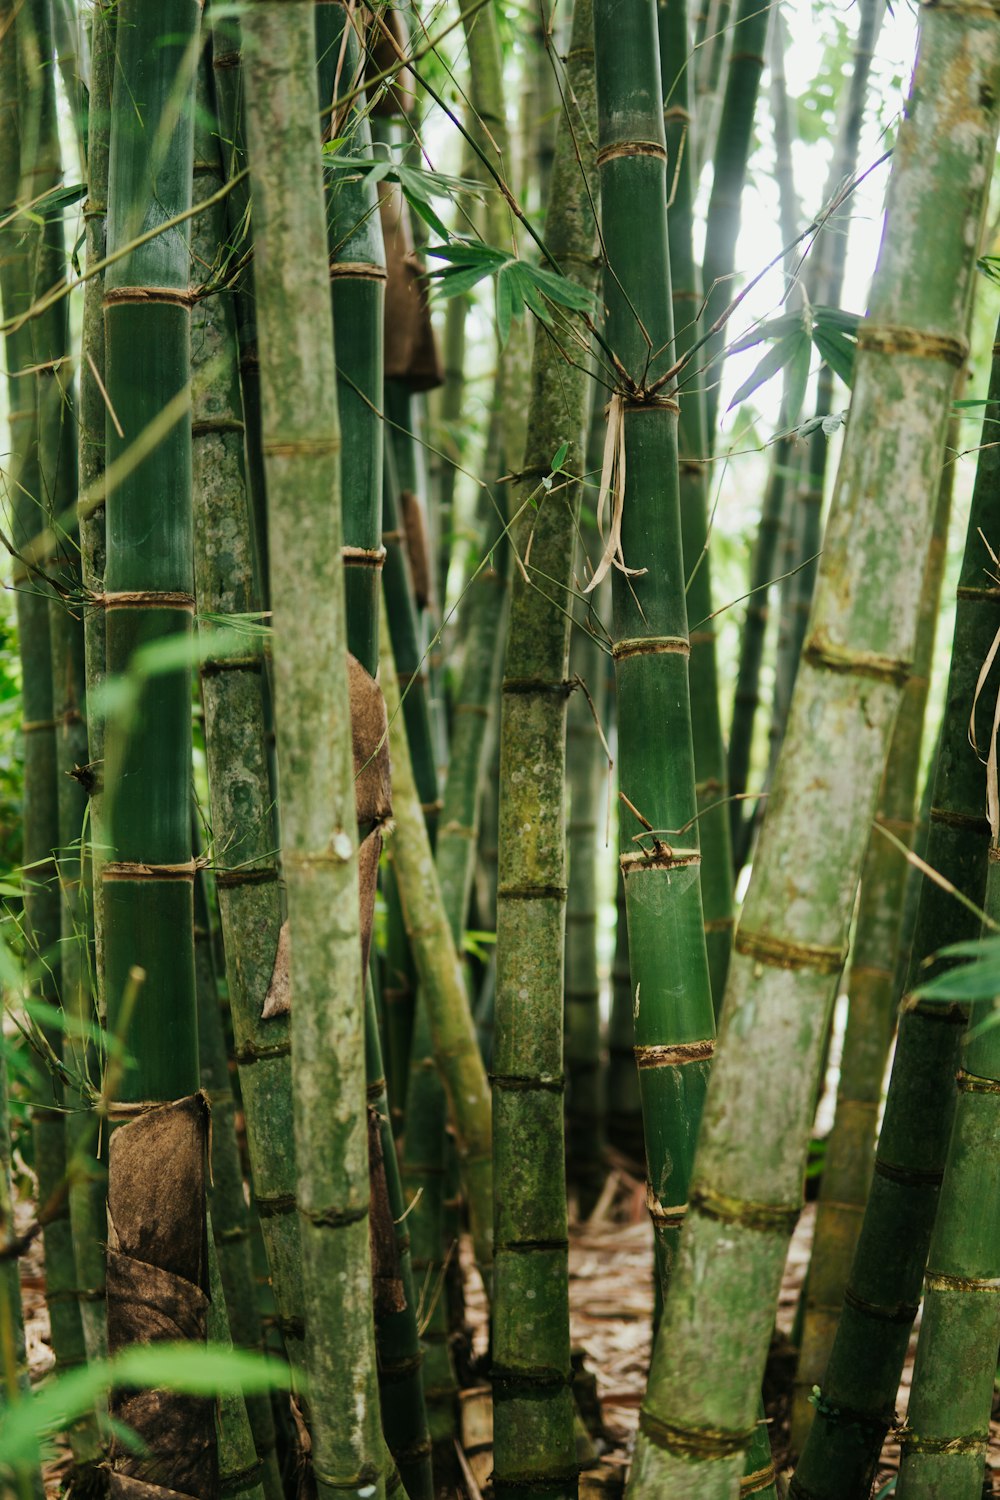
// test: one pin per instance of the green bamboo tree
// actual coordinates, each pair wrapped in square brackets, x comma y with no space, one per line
[709,751]
[698,1415]
[240,793]
[301,444]
[658,837]
[847,1165]
[148,600]
[883,1289]
[587,778]
[533,1408]
[947,1429]
[730,153]
[59,938]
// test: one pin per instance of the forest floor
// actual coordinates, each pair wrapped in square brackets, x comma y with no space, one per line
[611,1296]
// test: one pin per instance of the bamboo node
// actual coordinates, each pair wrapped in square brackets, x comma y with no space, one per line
[217,424]
[951,818]
[124,869]
[820,651]
[974,1083]
[938,1281]
[319,447]
[36,726]
[653,645]
[664,1056]
[145,599]
[669,1216]
[334,1218]
[782,953]
[915,343]
[356,270]
[901,1313]
[764,1217]
[631,148]
[362,557]
[531,893]
[509,1380]
[693,1442]
[760,1479]
[661,857]
[909,1176]
[254,1052]
[719,924]
[517,1083]
[146,294]
[911,1442]
[246,875]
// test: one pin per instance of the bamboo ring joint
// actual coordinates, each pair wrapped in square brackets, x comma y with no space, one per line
[915,343]
[653,645]
[631,148]
[673,1056]
[764,1217]
[783,954]
[693,1442]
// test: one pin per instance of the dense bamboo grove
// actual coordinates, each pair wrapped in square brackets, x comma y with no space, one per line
[498,750]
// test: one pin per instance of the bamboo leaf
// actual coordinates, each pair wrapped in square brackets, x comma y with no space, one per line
[838,352]
[776,358]
[971,982]
[505,306]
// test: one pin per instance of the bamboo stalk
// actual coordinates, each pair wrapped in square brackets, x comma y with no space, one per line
[701,1402]
[865,1362]
[587,778]
[532,1401]
[240,795]
[709,751]
[847,1166]
[247,1461]
[944,1443]
[731,151]
[658,832]
[156,1155]
[301,442]
[440,976]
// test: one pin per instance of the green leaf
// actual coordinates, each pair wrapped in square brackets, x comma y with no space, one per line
[972,982]
[505,306]
[798,379]
[838,352]
[424,211]
[774,360]
[559,457]
[209,1370]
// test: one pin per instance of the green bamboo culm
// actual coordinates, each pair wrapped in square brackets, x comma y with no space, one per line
[587,775]
[88,1218]
[824,279]
[357,278]
[883,1289]
[148,600]
[14,1378]
[674,1038]
[533,1439]
[944,1443]
[698,1414]
[230,691]
[93,415]
[240,794]
[47,491]
[247,1463]
[301,444]
[730,154]
[850,1150]
[709,750]
[440,976]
